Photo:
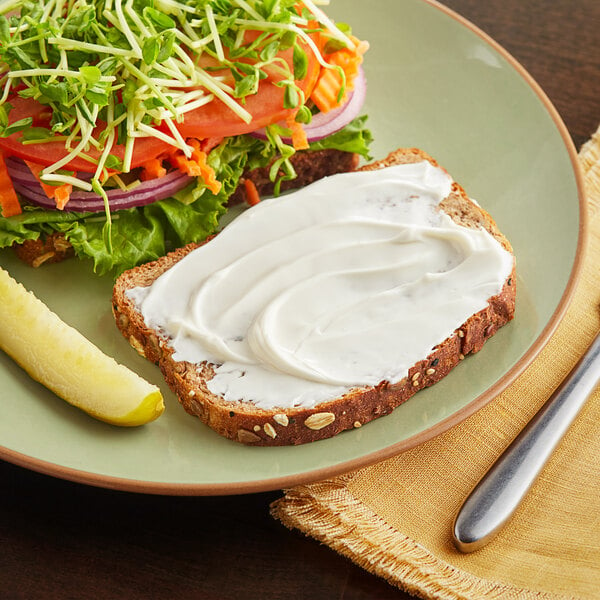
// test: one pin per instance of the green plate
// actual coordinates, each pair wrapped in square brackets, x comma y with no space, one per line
[436,82]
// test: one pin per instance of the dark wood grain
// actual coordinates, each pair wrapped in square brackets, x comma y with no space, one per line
[61,540]
[558,42]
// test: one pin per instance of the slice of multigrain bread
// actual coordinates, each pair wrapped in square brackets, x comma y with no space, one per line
[245,422]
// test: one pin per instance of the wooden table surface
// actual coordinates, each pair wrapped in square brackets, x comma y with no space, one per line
[65,540]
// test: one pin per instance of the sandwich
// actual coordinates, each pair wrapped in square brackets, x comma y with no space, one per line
[128,128]
[319,311]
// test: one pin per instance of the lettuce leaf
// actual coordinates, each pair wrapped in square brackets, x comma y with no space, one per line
[355,137]
[135,239]
[30,223]
[142,234]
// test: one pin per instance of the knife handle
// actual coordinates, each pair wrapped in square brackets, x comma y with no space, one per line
[498,494]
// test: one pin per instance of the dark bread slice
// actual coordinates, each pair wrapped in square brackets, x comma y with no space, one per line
[309,166]
[51,248]
[246,423]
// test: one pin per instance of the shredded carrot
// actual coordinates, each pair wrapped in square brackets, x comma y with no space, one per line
[252,195]
[9,202]
[326,93]
[299,139]
[62,195]
[59,193]
[208,173]
[196,165]
[183,164]
[152,169]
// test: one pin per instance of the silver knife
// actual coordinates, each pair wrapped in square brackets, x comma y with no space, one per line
[498,494]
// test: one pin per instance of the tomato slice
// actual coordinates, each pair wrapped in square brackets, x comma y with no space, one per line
[213,120]
[216,119]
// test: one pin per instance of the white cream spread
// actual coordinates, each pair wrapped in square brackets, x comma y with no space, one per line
[343,284]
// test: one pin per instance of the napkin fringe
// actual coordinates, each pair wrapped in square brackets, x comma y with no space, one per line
[589,159]
[328,512]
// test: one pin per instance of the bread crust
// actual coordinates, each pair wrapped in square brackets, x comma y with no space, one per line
[248,424]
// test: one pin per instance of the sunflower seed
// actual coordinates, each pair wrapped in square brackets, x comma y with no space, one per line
[281,419]
[319,420]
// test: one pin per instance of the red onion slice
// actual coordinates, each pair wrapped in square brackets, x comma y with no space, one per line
[324,124]
[145,193]
[18,166]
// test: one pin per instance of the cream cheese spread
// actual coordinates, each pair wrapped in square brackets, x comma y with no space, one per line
[343,284]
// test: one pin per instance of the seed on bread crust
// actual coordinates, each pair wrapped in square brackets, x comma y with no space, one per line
[247,437]
[135,343]
[269,430]
[122,319]
[319,420]
[153,342]
[41,259]
[281,419]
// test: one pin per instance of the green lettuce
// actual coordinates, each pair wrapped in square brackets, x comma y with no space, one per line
[355,137]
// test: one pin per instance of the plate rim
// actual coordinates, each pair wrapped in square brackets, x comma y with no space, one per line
[269,484]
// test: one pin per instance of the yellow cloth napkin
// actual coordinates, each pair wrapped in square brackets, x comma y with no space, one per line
[394,518]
